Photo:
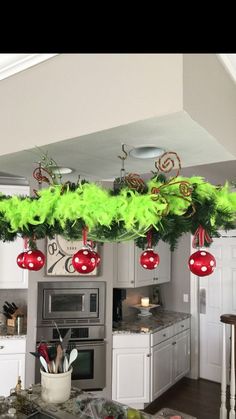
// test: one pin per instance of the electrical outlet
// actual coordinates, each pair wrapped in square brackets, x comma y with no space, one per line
[185,298]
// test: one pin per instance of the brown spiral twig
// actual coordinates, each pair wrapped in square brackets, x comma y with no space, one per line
[134,181]
[167,162]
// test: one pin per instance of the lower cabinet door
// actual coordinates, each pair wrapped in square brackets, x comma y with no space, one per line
[162,366]
[11,367]
[131,377]
[181,355]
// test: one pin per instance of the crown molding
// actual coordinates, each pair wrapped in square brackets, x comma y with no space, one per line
[14,63]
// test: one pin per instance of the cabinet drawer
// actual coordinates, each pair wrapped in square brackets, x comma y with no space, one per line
[14,346]
[162,335]
[131,341]
[182,325]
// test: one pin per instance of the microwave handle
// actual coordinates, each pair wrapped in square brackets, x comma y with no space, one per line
[82,302]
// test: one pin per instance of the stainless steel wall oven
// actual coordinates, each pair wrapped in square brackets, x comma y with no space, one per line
[80,307]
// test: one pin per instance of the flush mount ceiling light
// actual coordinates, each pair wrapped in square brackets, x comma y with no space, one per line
[61,170]
[146,152]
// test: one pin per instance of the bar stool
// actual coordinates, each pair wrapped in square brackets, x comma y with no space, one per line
[231,320]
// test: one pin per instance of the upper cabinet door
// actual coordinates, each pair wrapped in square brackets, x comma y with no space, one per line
[11,276]
[130,274]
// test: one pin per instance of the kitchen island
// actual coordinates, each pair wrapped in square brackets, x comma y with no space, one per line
[84,405]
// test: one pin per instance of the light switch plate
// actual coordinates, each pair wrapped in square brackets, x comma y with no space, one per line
[185,298]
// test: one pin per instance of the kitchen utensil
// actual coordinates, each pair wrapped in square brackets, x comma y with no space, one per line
[58,331]
[65,363]
[43,351]
[44,363]
[58,357]
[65,341]
[73,356]
[53,367]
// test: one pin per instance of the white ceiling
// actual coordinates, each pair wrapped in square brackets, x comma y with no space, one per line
[95,156]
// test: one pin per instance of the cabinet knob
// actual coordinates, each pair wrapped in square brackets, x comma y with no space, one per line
[182,325]
[164,336]
[132,282]
[174,343]
[1,347]
[148,355]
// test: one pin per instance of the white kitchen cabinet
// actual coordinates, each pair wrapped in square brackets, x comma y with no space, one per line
[181,355]
[130,274]
[131,370]
[145,366]
[11,276]
[170,352]
[12,364]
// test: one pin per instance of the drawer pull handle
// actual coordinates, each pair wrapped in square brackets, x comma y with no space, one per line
[174,343]
[1,347]
[182,325]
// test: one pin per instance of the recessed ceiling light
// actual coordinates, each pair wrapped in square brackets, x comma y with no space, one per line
[61,170]
[146,152]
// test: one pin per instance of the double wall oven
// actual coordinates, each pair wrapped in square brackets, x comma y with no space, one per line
[80,307]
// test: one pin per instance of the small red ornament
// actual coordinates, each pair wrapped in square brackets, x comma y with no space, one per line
[85,260]
[34,260]
[202,263]
[149,259]
[20,260]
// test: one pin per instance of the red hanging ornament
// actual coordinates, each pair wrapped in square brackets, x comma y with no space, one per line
[20,260]
[202,263]
[34,260]
[86,259]
[91,246]
[149,259]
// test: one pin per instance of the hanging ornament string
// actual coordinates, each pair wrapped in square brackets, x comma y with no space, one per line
[149,239]
[25,243]
[201,237]
[84,235]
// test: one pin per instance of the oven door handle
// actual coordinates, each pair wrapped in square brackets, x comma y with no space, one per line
[88,345]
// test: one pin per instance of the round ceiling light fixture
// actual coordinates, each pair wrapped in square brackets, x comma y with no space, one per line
[61,170]
[146,152]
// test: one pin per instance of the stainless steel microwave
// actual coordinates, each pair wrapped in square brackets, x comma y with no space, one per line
[71,302]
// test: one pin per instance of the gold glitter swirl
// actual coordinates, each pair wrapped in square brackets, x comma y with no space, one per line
[185,188]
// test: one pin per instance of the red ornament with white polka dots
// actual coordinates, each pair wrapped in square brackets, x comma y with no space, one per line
[20,260]
[149,259]
[202,263]
[85,260]
[33,260]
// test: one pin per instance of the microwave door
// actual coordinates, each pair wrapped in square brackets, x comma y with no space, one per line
[68,304]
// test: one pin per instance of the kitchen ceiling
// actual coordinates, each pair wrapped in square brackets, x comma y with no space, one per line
[95,156]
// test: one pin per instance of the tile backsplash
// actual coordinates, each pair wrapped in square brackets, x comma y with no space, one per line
[17,296]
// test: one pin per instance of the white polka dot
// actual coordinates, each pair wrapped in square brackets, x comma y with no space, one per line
[151,259]
[39,258]
[29,252]
[84,268]
[144,253]
[203,268]
[18,260]
[93,260]
[191,262]
[77,259]
[212,263]
[145,266]
[23,265]
[31,265]
[203,253]
[155,265]
[85,252]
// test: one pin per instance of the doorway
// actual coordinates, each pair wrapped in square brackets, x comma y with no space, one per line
[212,296]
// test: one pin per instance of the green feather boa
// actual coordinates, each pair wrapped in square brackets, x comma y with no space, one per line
[109,217]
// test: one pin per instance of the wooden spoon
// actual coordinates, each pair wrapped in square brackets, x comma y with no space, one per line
[58,357]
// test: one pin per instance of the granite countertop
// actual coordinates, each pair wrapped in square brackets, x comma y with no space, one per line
[159,320]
